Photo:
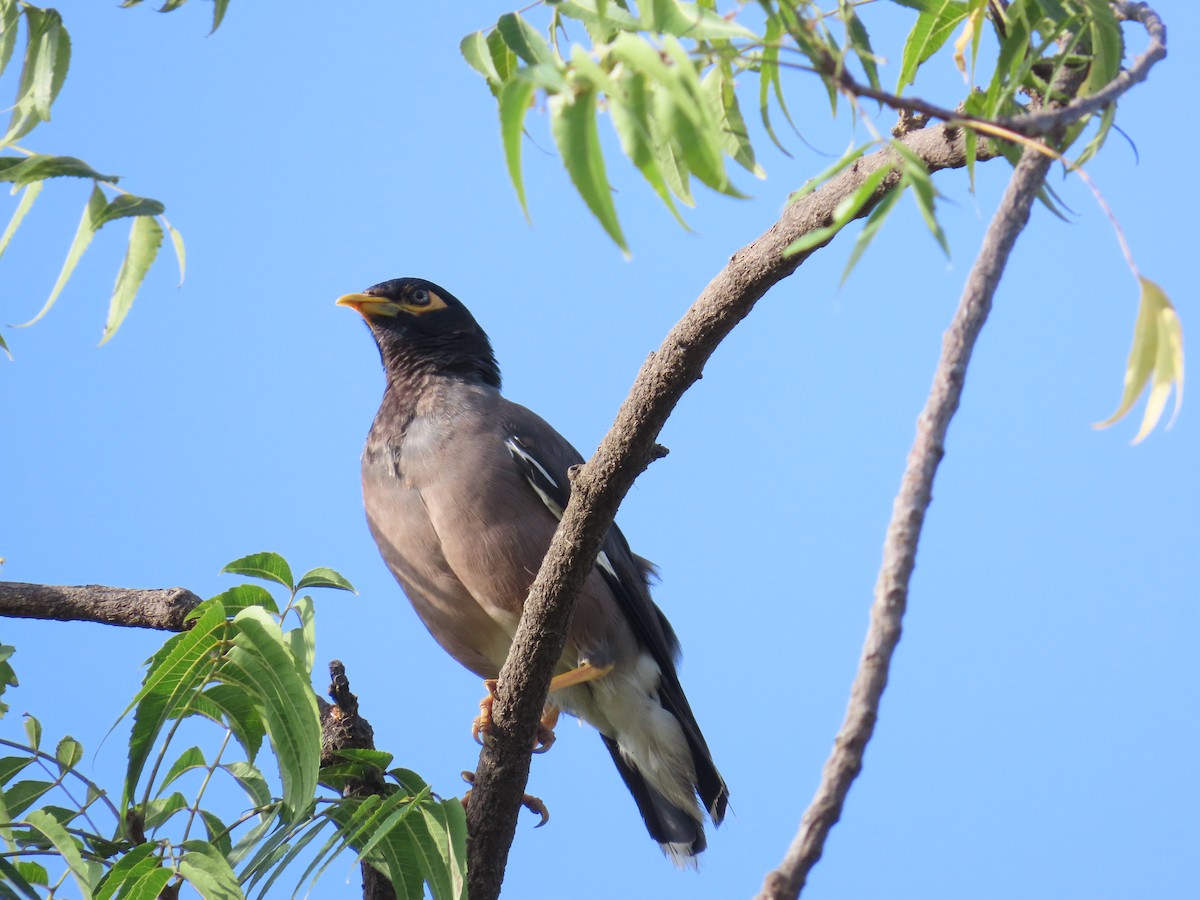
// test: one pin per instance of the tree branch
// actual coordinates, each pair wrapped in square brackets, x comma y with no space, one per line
[161,608]
[599,486]
[904,530]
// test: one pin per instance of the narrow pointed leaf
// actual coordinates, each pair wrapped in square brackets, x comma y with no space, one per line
[932,29]
[191,759]
[66,846]
[206,869]
[515,98]
[524,39]
[27,197]
[83,236]
[1155,359]
[185,663]
[260,664]
[180,250]
[145,237]
[573,125]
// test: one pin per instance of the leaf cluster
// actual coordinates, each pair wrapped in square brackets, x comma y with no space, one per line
[45,61]
[240,667]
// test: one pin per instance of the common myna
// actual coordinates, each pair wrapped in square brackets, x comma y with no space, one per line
[463,490]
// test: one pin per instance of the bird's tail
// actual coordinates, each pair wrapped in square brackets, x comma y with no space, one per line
[677,831]
[666,793]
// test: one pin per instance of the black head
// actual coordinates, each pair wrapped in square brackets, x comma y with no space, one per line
[424,329]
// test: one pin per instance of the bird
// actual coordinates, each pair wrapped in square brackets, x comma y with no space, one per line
[463,490]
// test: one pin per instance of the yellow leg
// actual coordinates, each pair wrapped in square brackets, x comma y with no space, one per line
[585,673]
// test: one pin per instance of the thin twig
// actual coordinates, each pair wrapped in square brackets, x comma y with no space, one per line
[904,530]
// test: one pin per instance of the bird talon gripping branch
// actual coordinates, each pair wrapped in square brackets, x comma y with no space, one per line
[463,491]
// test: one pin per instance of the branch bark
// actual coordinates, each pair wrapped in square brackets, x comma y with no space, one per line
[599,487]
[161,608]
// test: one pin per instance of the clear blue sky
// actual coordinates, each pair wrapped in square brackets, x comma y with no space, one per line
[1037,736]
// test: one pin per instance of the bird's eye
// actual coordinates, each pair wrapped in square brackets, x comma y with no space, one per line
[419,297]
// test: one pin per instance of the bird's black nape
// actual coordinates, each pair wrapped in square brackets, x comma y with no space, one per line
[421,328]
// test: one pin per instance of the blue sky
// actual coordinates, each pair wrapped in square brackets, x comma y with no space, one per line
[1034,740]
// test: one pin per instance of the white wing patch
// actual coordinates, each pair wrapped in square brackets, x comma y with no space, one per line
[522,455]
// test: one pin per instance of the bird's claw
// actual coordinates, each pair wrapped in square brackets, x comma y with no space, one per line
[530,802]
[481,728]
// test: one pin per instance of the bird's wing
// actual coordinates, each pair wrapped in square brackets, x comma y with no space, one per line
[543,457]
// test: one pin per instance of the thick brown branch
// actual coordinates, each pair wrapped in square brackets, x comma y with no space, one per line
[161,608]
[599,487]
[908,514]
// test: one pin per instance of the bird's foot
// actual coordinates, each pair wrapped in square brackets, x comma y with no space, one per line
[481,728]
[530,802]
[545,732]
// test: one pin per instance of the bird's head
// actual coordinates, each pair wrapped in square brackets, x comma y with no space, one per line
[424,329]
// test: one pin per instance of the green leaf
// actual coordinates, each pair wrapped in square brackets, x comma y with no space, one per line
[629,108]
[260,664]
[267,565]
[324,577]
[33,730]
[13,880]
[219,9]
[67,848]
[860,42]
[186,662]
[124,206]
[8,678]
[874,223]
[514,101]
[524,39]
[8,353]
[88,225]
[127,871]
[845,212]
[68,752]
[145,238]
[10,17]
[23,795]
[687,20]
[206,869]
[723,102]
[27,197]
[925,194]
[1108,47]
[191,758]
[180,250]
[12,766]
[475,51]
[1156,359]
[218,832]
[242,597]
[302,641]
[573,125]
[159,811]
[40,167]
[230,705]
[251,781]
[149,885]
[933,27]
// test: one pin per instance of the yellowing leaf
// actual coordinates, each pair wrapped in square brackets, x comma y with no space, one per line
[1156,359]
